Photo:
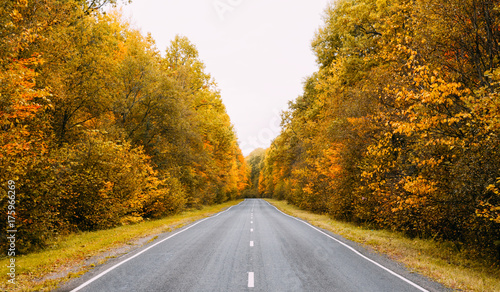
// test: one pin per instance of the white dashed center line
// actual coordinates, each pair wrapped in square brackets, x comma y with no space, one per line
[250,280]
[251,243]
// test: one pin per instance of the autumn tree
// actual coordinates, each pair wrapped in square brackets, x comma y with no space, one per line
[254,161]
[98,129]
[398,128]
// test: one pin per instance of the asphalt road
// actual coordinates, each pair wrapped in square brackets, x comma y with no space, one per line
[251,247]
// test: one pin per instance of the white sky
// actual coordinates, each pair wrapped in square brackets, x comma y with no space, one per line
[258,52]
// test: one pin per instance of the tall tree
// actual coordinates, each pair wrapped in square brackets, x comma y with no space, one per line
[398,127]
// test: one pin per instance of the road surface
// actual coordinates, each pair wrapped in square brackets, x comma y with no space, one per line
[251,247]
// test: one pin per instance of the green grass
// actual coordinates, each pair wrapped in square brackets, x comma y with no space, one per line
[72,251]
[439,261]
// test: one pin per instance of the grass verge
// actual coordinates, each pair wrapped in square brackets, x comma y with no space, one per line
[439,261]
[72,255]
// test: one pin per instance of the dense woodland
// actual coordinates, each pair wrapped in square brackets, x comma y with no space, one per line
[399,128]
[255,163]
[99,128]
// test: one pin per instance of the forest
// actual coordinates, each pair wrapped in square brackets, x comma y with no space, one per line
[399,128]
[99,128]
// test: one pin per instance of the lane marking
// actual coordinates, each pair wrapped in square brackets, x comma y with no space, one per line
[146,249]
[251,243]
[355,251]
[251,222]
[251,281]
[251,229]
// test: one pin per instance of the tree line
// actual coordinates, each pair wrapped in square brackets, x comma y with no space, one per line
[399,128]
[98,128]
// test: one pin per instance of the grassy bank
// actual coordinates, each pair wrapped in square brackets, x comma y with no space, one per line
[72,255]
[436,260]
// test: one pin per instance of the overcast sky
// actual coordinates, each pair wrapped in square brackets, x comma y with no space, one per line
[258,52]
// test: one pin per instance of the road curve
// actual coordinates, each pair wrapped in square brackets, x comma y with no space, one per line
[251,247]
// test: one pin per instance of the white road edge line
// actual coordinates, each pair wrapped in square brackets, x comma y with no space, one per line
[355,251]
[146,249]
[250,280]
